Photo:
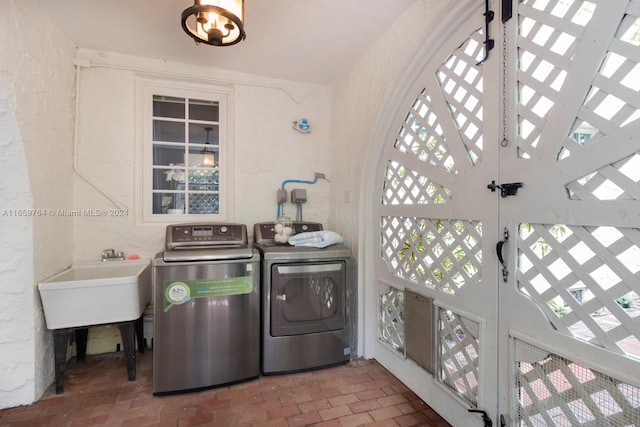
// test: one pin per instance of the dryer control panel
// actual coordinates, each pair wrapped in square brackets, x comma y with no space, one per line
[264,232]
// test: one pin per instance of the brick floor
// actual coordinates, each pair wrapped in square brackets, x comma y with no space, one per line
[97,393]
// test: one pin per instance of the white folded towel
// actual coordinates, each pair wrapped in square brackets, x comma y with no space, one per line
[316,239]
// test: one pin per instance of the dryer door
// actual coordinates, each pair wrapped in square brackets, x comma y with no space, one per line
[308,297]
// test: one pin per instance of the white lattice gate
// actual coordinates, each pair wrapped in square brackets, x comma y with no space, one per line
[535,287]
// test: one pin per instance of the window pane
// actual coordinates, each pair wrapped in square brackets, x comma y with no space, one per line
[168,179]
[203,110]
[168,131]
[198,134]
[196,156]
[167,106]
[164,202]
[204,180]
[204,204]
[167,155]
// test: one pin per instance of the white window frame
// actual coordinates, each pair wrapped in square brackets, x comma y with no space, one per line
[146,88]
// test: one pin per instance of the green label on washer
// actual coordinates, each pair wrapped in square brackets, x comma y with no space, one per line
[179,292]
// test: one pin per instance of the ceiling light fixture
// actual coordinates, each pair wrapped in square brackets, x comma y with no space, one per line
[215,22]
[208,155]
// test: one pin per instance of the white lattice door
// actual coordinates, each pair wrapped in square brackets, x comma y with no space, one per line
[514,204]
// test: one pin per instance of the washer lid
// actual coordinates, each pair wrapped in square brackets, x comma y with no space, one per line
[208,254]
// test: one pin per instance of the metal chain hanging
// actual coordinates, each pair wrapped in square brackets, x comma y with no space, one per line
[505,141]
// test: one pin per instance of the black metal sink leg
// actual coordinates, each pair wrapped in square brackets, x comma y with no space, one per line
[60,344]
[128,334]
[140,335]
[81,342]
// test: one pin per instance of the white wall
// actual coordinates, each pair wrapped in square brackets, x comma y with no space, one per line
[266,148]
[266,151]
[358,109]
[36,106]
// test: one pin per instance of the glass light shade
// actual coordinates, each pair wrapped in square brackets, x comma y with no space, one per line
[208,158]
[215,22]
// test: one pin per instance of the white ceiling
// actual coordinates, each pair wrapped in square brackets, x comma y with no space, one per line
[311,41]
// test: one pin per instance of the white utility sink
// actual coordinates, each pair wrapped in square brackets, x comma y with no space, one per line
[96,292]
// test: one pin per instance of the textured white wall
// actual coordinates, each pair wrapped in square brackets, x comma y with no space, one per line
[357,104]
[266,148]
[358,109]
[36,111]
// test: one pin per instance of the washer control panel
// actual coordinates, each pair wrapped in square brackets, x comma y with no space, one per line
[205,234]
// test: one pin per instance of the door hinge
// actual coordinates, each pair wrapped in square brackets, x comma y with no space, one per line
[506,190]
[489,43]
[503,422]
[485,417]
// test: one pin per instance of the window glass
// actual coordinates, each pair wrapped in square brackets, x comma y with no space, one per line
[204,180]
[168,131]
[197,156]
[201,133]
[166,155]
[184,130]
[204,203]
[167,106]
[203,110]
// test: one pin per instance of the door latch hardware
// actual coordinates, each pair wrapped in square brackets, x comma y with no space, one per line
[485,417]
[499,245]
[503,423]
[506,190]
[281,297]
[507,10]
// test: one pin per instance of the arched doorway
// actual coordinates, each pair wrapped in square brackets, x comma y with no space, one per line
[507,206]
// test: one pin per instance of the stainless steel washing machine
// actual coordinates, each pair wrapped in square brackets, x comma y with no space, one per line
[206,308]
[305,310]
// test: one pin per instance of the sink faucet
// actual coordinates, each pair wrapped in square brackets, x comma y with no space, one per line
[111,255]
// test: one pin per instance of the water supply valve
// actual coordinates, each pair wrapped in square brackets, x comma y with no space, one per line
[281,195]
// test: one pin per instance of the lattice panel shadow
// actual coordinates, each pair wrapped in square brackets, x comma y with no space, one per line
[555,391]
[549,35]
[617,181]
[612,101]
[461,83]
[391,318]
[437,253]
[404,186]
[458,355]
[422,136]
[586,279]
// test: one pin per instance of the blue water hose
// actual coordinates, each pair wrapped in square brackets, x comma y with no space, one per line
[287,181]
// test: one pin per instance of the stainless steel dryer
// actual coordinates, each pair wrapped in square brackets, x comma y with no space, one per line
[305,310]
[206,308]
